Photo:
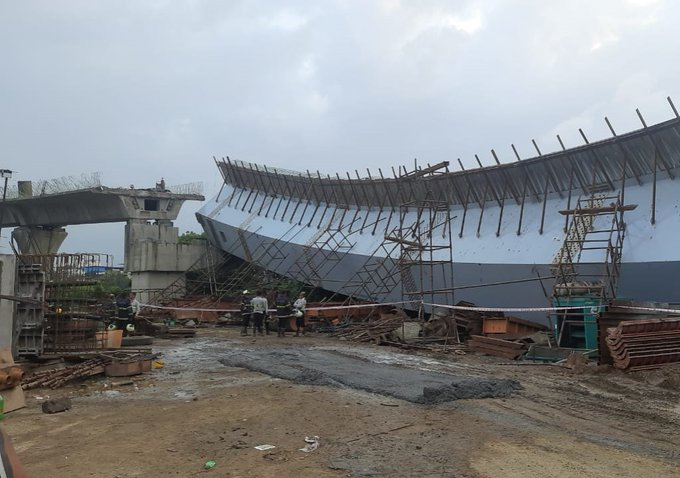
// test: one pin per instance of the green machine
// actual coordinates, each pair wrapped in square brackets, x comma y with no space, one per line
[576,327]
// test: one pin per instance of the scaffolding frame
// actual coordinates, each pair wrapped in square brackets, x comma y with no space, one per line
[72,314]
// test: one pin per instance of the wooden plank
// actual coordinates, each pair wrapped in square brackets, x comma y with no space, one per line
[497,342]
[510,354]
[475,345]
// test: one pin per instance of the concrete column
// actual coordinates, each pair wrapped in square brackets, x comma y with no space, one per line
[7,284]
[154,259]
[39,240]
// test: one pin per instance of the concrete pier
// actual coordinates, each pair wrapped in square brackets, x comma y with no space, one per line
[153,256]
[7,284]
[39,240]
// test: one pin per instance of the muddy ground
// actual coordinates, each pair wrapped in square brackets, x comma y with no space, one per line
[585,422]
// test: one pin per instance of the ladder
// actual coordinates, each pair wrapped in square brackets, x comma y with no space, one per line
[587,266]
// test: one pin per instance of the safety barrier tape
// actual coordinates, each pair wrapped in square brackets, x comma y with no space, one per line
[363,306]
[649,309]
[333,307]
[445,306]
[510,309]
[193,309]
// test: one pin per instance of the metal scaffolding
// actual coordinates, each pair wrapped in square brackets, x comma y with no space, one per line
[322,253]
[72,312]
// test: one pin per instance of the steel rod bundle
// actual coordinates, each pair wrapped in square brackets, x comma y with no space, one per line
[59,377]
[367,331]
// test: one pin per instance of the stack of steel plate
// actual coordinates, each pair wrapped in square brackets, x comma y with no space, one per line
[645,344]
[497,347]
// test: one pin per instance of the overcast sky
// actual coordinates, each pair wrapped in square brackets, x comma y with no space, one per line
[140,90]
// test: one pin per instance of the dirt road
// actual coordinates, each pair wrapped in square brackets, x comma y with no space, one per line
[562,423]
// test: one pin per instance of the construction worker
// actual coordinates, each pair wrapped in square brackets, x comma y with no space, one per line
[124,311]
[299,307]
[246,312]
[283,312]
[135,306]
[260,307]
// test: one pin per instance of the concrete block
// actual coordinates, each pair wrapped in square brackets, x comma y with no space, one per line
[56,405]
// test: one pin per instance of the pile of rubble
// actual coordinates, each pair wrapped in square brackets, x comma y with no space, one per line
[488,333]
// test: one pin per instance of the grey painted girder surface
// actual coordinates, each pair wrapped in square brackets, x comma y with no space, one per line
[486,284]
[92,206]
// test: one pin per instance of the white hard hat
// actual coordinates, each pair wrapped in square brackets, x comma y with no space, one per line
[246,292]
[298,313]
[111,327]
[130,328]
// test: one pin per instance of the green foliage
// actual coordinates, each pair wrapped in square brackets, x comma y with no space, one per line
[113,282]
[95,287]
[291,287]
[190,236]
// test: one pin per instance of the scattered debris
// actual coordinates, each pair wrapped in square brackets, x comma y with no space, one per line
[10,384]
[552,355]
[264,447]
[128,365]
[497,347]
[59,377]
[434,344]
[508,327]
[576,361]
[55,378]
[375,330]
[444,327]
[136,341]
[179,333]
[209,464]
[56,405]
[312,444]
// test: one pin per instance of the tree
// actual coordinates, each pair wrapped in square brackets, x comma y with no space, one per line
[190,236]
[113,282]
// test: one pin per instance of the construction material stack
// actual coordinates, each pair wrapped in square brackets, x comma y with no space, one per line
[645,344]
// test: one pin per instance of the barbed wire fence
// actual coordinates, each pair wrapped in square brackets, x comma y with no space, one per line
[63,184]
[187,188]
[44,187]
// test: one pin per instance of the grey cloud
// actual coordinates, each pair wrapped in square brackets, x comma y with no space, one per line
[139,90]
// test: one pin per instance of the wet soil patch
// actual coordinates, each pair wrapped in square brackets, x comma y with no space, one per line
[331,368]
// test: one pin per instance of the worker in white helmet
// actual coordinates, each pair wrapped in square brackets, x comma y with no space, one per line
[299,306]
